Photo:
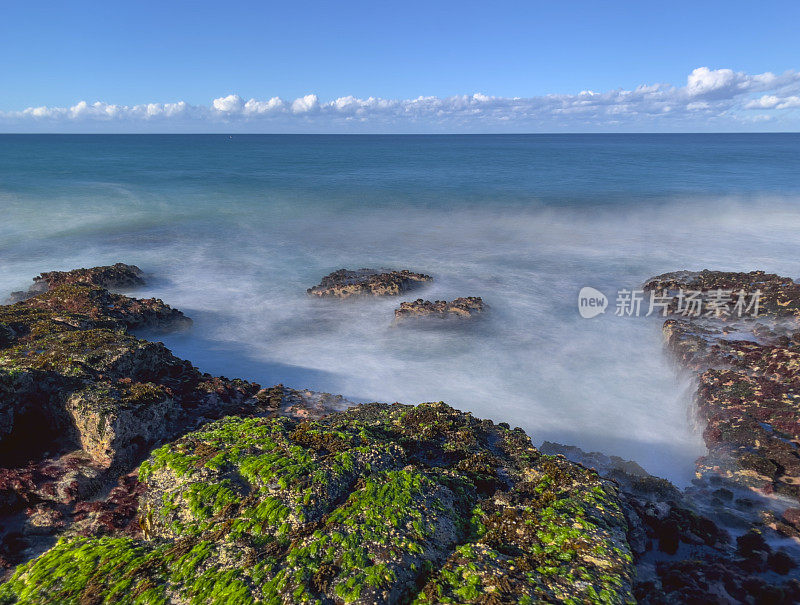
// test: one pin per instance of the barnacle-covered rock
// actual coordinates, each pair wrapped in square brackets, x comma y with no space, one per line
[368,282]
[378,504]
[748,376]
[746,367]
[117,276]
[779,296]
[459,308]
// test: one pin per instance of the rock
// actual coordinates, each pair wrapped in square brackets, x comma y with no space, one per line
[792,516]
[747,375]
[115,310]
[82,399]
[459,308]
[368,282]
[668,535]
[378,504]
[748,379]
[602,463]
[750,543]
[310,405]
[117,276]
[116,420]
[780,296]
[781,562]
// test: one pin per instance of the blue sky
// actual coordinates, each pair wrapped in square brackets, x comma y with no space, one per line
[176,58]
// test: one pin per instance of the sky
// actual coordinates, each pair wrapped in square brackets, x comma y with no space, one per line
[400,67]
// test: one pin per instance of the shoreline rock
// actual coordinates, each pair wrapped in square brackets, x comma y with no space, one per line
[289,493]
[378,504]
[116,276]
[129,474]
[368,282]
[746,375]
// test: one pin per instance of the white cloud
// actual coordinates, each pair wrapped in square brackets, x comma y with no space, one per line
[774,102]
[229,104]
[711,98]
[305,104]
[254,107]
[703,81]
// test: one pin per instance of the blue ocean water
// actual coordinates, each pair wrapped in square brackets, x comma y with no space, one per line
[233,230]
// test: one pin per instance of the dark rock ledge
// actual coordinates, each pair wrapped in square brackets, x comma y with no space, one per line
[368,282]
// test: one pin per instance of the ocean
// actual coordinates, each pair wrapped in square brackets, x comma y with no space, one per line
[233,229]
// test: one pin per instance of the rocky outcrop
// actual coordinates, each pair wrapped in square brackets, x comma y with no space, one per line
[278,495]
[368,282]
[745,367]
[379,504]
[460,308]
[748,375]
[114,277]
[780,296]
[82,399]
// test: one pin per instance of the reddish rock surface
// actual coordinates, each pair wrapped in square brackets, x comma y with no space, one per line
[747,376]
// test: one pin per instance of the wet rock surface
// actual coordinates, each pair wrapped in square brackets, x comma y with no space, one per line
[699,545]
[748,379]
[368,282]
[459,308]
[745,367]
[288,496]
[127,475]
[379,504]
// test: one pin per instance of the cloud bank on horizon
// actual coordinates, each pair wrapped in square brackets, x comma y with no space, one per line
[711,100]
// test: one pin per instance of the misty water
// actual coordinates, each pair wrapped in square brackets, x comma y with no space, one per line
[233,231]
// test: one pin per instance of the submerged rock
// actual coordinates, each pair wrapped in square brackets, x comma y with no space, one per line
[460,308]
[368,282]
[379,504]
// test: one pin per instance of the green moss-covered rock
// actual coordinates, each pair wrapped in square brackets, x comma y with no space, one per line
[379,504]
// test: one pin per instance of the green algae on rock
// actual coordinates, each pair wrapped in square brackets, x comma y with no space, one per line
[378,504]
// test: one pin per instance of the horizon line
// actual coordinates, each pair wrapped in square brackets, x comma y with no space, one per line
[370,134]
